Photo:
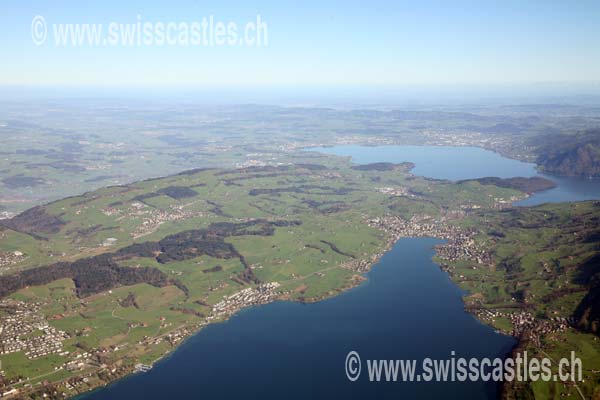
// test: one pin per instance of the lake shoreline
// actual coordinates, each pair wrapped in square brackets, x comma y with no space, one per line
[389,246]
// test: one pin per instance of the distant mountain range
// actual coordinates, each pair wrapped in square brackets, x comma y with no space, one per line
[571,155]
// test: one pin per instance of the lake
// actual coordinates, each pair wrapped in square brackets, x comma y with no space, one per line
[456,163]
[407,309]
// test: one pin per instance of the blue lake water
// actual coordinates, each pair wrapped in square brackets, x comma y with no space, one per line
[441,162]
[456,163]
[407,309]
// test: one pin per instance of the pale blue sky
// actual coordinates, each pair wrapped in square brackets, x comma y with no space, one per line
[319,43]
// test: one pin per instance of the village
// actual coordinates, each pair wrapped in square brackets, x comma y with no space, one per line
[8,258]
[394,191]
[460,245]
[24,328]
[262,294]
[524,323]
[151,218]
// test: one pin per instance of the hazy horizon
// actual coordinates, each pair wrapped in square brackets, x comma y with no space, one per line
[317,44]
[326,96]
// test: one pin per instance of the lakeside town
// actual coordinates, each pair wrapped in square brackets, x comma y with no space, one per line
[262,294]
[460,245]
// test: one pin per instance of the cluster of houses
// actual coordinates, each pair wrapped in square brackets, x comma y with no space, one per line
[525,323]
[263,293]
[151,217]
[24,328]
[461,244]
[393,191]
[79,362]
[8,258]
[6,215]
